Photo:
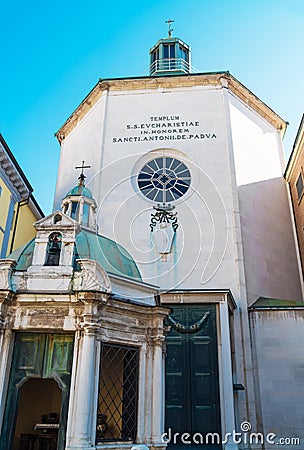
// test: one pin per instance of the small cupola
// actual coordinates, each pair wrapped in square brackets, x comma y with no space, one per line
[79,203]
[170,56]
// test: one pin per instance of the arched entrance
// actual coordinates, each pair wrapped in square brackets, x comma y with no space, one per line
[38,414]
[43,362]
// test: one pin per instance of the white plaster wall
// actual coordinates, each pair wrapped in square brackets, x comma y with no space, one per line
[277,339]
[204,250]
[270,261]
[80,145]
[257,153]
[271,267]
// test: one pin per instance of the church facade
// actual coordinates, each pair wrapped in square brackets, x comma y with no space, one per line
[161,297]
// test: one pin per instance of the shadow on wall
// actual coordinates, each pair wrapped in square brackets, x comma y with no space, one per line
[271,267]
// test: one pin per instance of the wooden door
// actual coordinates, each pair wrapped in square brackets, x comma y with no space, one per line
[192,385]
[38,355]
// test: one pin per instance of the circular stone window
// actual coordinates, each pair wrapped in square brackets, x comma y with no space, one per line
[164,179]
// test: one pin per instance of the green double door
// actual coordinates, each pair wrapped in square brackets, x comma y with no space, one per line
[43,356]
[192,384]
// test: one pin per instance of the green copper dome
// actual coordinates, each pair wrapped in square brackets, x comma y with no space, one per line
[112,257]
[80,190]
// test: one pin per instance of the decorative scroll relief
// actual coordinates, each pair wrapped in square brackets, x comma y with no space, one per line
[163,226]
[194,328]
[92,277]
[6,272]
[163,216]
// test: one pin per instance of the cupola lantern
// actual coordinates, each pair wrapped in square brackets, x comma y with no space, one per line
[170,56]
[79,203]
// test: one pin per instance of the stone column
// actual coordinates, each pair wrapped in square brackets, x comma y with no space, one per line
[144,381]
[6,334]
[226,383]
[82,398]
[6,352]
[69,210]
[81,203]
[158,391]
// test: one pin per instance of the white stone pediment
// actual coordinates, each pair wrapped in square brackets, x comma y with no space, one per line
[92,277]
[58,221]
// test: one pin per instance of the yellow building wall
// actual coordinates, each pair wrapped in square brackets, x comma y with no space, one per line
[4,205]
[298,203]
[25,230]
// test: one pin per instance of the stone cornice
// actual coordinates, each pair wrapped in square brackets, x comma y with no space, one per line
[216,79]
[139,309]
[252,101]
[184,296]
[47,299]
[13,171]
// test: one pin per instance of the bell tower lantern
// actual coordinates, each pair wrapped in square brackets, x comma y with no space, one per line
[79,203]
[170,56]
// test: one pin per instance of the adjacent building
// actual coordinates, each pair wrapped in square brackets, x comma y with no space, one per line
[18,208]
[161,302]
[295,177]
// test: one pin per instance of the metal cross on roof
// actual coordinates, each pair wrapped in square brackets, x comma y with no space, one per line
[169,21]
[82,176]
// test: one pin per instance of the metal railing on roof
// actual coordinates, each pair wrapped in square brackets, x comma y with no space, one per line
[171,65]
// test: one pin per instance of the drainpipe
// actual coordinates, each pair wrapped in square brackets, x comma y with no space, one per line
[19,205]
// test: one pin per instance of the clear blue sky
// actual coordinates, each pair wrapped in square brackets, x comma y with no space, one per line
[54,52]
